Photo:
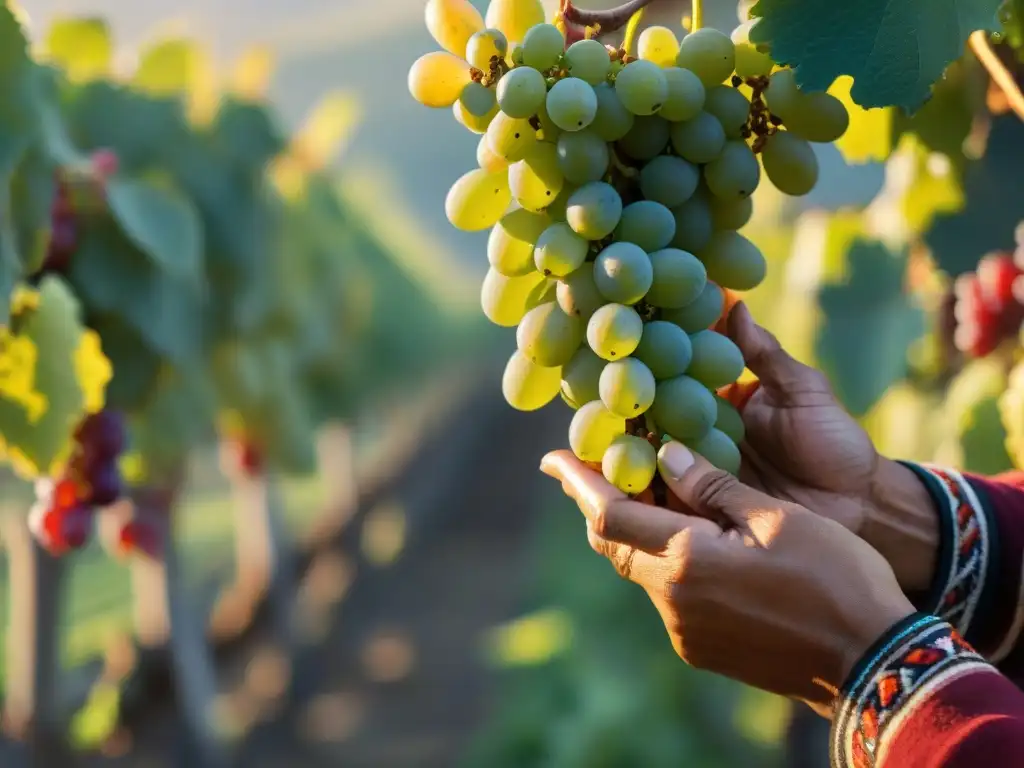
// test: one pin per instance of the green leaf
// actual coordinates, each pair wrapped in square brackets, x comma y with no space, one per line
[935,188]
[136,364]
[17,108]
[162,222]
[868,325]
[945,121]
[246,133]
[893,49]
[972,407]
[1011,16]
[81,47]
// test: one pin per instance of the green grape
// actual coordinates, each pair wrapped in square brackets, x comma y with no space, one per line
[510,138]
[548,130]
[658,45]
[719,450]
[582,156]
[521,92]
[588,60]
[647,224]
[750,60]
[515,55]
[669,180]
[506,300]
[548,336]
[729,420]
[612,120]
[730,107]
[782,96]
[477,99]
[614,331]
[511,242]
[581,377]
[818,117]
[477,200]
[594,210]
[693,224]
[560,251]
[685,97]
[679,278]
[536,180]
[699,140]
[486,158]
[629,464]
[642,87]
[709,54]
[527,386]
[623,273]
[733,261]
[542,46]
[646,139]
[735,173]
[556,211]
[717,361]
[571,104]
[627,387]
[730,214]
[701,313]
[684,408]
[664,348]
[577,293]
[790,163]
[471,122]
[485,45]
[592,430]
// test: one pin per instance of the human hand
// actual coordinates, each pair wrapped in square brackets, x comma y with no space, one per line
[776,597]
[801,445]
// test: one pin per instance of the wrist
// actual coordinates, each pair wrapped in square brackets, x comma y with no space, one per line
[887,612]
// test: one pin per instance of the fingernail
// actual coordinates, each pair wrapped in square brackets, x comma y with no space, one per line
[547,467]
[674,460]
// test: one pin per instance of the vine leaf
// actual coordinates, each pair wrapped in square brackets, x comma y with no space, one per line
[894,49]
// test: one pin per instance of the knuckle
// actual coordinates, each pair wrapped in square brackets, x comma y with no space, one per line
[714,488]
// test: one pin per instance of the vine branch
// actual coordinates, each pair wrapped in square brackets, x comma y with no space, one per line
[609,20]
[1000,75]
[697,15]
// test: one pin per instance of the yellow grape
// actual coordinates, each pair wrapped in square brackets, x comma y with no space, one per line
[436,79]
[593,429]
[527,386]
[750,60]
[486,158]
[818,117]
[452,22]
[658,44]
[478,199]
[505,300]
[537,179]
[475,123]
[514,17]
[484,46]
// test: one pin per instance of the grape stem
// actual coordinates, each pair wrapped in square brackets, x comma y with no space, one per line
[1000,75]
[697,14]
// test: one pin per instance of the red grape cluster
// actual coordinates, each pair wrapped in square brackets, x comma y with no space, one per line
[62,517]
[989,303]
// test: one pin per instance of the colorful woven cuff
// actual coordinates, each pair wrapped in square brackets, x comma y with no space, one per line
[915,658]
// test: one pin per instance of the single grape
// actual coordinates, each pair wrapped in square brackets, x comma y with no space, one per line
[647,224]
[477,200]
[101,435]
[709,54]
[699,140]
[592,430]
[818,117]
[751,61]
[514,17]
[717,361]
[782,97]
[614,331]
[612,120]
[521,92]
[642,87]
[729,420]
[684,408]
[452,22]
[511,242]
[535,180]
[790,163]
[719,450]
[542,46]
[693,224]
[679,278]
[646,139]
[685,97]
[577,293]
[735,173]
[548,336]
[623,273]
[733,261]
[669,180]
[664,348]
[730,107]
[730,214]
[436,79]
[627,387]
[506,300]
[515,55]
[485,45]
[527,386]
[588,60]
[510,138]
[582,156]
[581,377]
[486,158]
[594,210]
[658,45]
[560,251]
[471,122]
[477,99]
[701,313]
[572,104]
[629,464]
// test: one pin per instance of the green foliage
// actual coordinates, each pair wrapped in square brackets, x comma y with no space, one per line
[974,424]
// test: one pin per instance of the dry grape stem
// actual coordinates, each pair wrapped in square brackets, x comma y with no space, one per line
[609,20]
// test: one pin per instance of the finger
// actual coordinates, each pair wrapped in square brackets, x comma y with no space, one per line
[631,563]
[612,514]
[730,299]
[739,393]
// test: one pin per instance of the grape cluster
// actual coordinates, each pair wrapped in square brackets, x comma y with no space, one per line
[614,187]
[62,516]
[63,231]
[988,303]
